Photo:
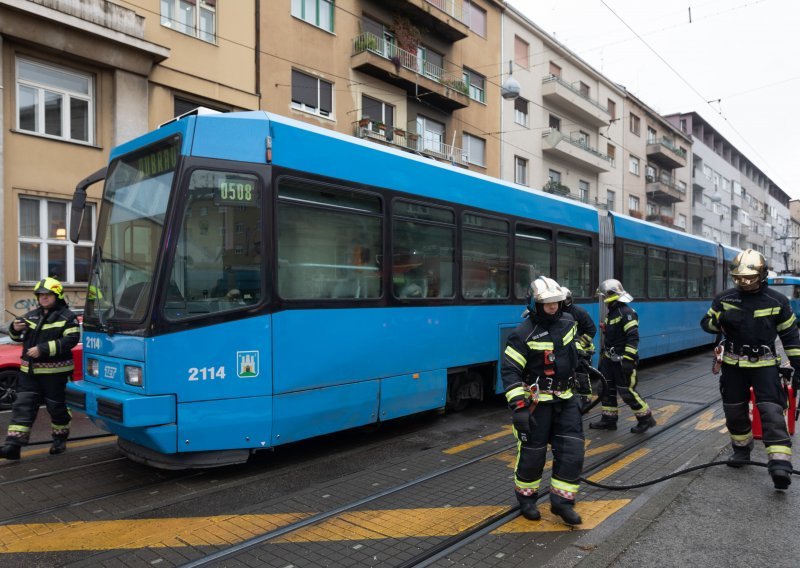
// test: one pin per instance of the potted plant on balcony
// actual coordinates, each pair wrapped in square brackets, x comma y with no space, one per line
[556,187]
[364,122]
[407,34]
[636,213]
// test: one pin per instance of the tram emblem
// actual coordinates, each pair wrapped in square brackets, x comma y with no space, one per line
[246,364]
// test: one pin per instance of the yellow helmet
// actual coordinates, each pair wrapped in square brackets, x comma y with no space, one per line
[49,285]
[749,270]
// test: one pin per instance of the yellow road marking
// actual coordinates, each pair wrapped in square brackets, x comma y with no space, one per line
[665,414]
[467,445]
[706,421]
[73,445]
[231,529]
[616,466]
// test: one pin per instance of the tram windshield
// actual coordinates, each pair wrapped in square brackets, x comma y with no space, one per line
[129,232]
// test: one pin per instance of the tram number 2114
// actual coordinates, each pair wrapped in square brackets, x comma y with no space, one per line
[206,373]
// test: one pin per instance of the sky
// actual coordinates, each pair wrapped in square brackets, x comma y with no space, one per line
[735,62]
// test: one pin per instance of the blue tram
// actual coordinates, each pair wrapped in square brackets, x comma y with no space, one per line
[258,281]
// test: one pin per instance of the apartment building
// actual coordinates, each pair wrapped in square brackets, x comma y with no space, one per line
[735,203]
[418,75]
[559,134]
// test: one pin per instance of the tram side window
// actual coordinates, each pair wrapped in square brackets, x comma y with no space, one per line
[634,265]
[329,242]
[677,275]
[217,264]
[533,257]
[485,258]
[709,278]
[657,273]
[574,264]
[694,277]
[423,254]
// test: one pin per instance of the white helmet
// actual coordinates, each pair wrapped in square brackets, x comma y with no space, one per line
[544,290]
[567,296]
[611,290]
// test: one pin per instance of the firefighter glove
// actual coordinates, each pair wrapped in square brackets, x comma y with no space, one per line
[628,366]
[523,423]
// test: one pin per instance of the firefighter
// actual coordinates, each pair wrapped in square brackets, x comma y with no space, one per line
[538,370]
[750,316]
[619,359]
[48,335]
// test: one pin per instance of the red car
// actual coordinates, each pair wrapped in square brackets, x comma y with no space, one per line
[10,358]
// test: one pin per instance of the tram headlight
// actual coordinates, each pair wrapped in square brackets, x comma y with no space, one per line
[92,367]
[133,375]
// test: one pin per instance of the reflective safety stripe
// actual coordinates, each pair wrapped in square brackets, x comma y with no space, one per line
[794,352]
[534,485]
[564,486]
[609,409]
[516,356]
[72,331]
[51,347]
[541,345]
[610,299]
[48,370]
[630,324]
[55,324]
[727,306]
[631,349]
[766,312]
[779,450]
[516,392]
[787,324]
[570,334]
[545,396]
[18,428]
[711,312]
[744,362]
[737,439]
[615,320]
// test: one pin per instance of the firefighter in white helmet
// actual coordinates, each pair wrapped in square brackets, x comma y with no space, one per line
[619,359]
[751,316]
[538,372]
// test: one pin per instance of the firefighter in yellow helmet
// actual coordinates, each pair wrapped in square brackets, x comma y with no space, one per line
[538,372]
[48,335]
[619,359]
[750,317]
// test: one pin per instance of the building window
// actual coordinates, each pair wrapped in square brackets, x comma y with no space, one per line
[197,18]
[635,124]
[651,135]
[312,95]
[634,165]
[555,70]
[583,190]
[611,199]
[475,18]
[554,176]
[521,111]
[477,85]
[182,106]
[611,151]
[612,109]
[649,174]
[316,12]
[521,52]
[432,133]
[520,170]
[45,250]
[581,138]
[633,203]
[475,149]
[583,88]
[681,221]
[554,122]
[53,101]
[378,112]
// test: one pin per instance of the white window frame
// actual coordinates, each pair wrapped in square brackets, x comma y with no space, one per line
[633,203]
[521,117]
[475,149]
[611,199]
[45,241]
[43,90]
[300,10]
[202,11]
[584,190]
[316,110]
[520,170]
[476,92]
[634,165]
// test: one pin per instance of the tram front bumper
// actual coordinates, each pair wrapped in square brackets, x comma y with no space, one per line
[128,409]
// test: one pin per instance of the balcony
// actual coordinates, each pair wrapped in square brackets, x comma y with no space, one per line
[559,93]
[664,190]
[387,62]
[666,154]
[574,151]
[444,18]
[660,219]
[410,141]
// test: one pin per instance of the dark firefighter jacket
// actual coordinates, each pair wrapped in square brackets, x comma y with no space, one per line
[586,328]
[524,357]
[621,331]
[55,335]
[754,319]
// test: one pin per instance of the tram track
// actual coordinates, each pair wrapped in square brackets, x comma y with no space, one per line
[462,539]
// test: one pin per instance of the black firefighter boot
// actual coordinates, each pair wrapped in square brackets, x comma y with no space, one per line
[740,454]
[644,424]
[527,506]
[9,452]
[781,473]
[606,422]
[59,446]
[565,509]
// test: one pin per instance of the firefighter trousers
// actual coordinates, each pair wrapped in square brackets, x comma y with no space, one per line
[32,392]
[559,424]
[625,386]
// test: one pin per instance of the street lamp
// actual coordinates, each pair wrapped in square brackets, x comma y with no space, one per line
[510,89]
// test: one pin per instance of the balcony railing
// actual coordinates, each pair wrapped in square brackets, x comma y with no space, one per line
[406,140]
[453,8]
[576,90]
[402,58]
